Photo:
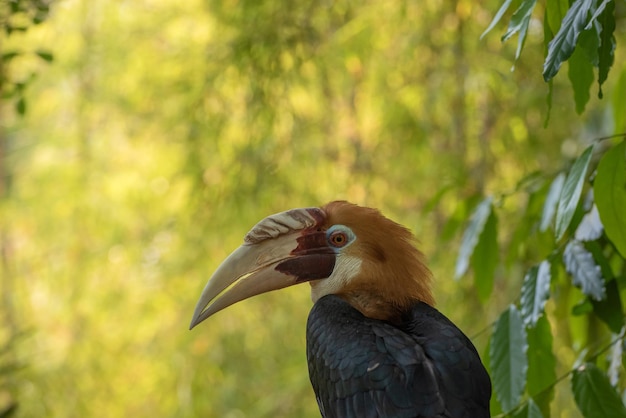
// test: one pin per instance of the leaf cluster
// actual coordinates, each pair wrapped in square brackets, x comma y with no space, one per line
[581,231]
[16,17]
[581,32]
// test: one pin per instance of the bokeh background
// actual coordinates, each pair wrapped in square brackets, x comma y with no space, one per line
[160,131]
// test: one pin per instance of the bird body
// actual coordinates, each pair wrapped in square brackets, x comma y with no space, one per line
[376,346]
[423,367]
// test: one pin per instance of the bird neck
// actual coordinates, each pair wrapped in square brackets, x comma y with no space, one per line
[373,306]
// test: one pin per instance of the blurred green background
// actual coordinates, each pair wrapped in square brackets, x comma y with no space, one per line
[163,130]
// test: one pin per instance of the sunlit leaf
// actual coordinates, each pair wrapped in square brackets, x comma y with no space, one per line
[610,195]
[552,199]
[485,257]
[580,73]
[541,364]
[586,274]
[509,364]
[606,52]
[535,292]
[570,194]
[471,235]
[530,410]
[555,12]
[594,395]
[563,44]
[590,227]
[505,6]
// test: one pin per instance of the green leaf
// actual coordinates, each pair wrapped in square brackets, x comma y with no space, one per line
[530,410]
[586,274]
[568,200]
[541,364]
[581,77]
[594,395]
[555,12]
[610,310]
[20,106]
[606,51]
[505,6]
[485,258]
[45,55]
[609,190]
[549,207]
[519,20]
[7,56]
[535,292]
[471,235]
[508,358]
[563,44]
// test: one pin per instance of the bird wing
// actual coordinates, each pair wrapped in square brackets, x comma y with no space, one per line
[366,368]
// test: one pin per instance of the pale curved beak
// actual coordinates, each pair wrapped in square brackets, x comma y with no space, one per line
[252,270]
[282,250]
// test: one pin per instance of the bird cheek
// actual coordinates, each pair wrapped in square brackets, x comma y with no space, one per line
[308,267]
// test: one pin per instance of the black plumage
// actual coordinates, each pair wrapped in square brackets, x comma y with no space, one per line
[366,368]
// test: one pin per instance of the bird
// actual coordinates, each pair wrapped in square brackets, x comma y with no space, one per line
[376,345]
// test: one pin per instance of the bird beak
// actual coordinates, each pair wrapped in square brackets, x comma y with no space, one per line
[282,250]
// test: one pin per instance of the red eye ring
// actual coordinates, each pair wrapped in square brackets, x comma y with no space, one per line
[338,239]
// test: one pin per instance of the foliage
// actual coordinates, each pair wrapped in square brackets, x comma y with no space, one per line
[582,32]
[163,130]
[581,248]
[587,241]
[19,16]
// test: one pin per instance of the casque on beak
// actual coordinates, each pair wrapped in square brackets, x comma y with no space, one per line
[282,250]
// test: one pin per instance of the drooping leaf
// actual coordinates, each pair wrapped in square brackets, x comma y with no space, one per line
[485,258]
[610,194]
[563,44]
[519,23]
[570,194]
[598,11]
[505,6]
[586,274]
[594,395]
[555,12]
[590,227]
[606,52]
[520,18]
[549,207]
[507,355]
[580,73]
[541,364]
[471,235]
[535,292]
[610,309]
[530,410]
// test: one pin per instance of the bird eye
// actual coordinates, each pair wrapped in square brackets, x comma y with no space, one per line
[339,236]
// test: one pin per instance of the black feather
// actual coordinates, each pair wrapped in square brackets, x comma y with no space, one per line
[362,367]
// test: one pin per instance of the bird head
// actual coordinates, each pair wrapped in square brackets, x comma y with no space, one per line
[351,251]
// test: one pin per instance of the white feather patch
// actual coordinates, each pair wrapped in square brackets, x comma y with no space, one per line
[345,269]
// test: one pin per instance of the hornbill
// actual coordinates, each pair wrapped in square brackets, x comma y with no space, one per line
[376,346]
